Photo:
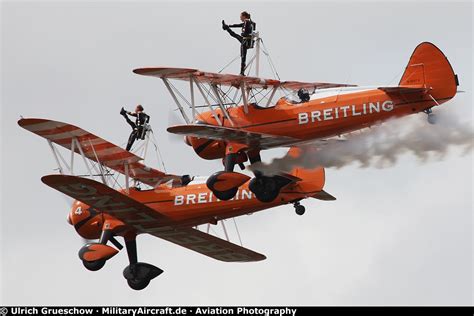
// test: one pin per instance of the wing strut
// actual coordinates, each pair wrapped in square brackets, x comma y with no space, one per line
[167,84]
[193,104]
[244,97]
[208,103]
[55,154]
[271,96]
[101,168]
[74,139]
[221,105]
[127,177]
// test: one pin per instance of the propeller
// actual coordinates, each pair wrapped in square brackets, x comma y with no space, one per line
[69,202]
[174,119]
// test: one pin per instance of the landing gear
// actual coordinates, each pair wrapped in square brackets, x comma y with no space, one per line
[225,184]
[138,284]
[226,195]
[266,189]
[93,265]
[214,183]
[432,119]
[138,274]
[299,209]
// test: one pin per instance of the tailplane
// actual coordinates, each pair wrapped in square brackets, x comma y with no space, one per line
[311,181]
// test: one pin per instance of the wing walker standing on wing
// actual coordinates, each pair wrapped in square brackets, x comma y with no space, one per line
[245,38]
[139,127]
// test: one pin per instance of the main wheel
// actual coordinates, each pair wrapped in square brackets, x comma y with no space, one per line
[140,274]
[225,195]
[138,284]
[299,209]
[93,265]
[222,194]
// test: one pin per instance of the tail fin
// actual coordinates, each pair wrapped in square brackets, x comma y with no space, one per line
[429,68]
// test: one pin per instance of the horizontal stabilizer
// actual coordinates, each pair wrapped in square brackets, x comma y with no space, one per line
[404,89]
[324,196]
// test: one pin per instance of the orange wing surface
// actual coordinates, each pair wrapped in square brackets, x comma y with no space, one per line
[253,139]
[96,149]
[146,220]
[228,79]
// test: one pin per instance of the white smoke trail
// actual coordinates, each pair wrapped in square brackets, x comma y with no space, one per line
[382,145]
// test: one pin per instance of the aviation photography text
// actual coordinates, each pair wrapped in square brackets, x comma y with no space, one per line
[134,311]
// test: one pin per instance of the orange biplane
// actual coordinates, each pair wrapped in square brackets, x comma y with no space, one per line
[171,207]
[242,119]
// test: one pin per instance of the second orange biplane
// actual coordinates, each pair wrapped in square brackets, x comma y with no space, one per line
[170,208]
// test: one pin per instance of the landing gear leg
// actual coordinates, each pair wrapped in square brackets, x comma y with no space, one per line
[299,209]
[138,274]
[254,156]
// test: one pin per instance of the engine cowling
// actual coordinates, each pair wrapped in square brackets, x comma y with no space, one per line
[86,221]
[206,148]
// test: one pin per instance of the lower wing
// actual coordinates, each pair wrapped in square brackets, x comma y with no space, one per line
[144,219]
[252,139]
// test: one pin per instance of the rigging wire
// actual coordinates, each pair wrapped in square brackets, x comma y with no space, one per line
[237,229]
[157,150]
[272,65]
[228,64]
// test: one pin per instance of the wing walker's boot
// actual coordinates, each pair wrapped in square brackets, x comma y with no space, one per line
[242,69]
[225,27]
[123,112]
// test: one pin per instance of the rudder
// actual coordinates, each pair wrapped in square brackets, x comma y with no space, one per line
[428,67]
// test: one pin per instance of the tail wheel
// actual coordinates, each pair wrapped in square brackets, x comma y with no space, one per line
[93,265]
[300,209]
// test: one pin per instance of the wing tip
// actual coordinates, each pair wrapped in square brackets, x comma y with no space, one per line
[25,121]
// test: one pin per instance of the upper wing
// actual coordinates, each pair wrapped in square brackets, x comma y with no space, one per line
[252,139]
[96,149]
[228,79]
[146,220]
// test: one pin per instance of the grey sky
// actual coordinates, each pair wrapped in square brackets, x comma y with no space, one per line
[401,235]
